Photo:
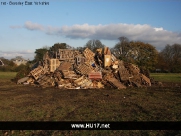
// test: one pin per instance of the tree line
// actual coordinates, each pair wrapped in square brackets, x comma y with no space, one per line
[10,66]
[169,59]
[137,52]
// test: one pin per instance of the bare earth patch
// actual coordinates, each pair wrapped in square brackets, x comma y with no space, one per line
[29,103]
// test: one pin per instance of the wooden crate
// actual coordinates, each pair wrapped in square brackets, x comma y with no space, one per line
[53,64]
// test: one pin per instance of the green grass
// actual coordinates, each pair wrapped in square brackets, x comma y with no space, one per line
[162,77]
[166,77]
[7,75]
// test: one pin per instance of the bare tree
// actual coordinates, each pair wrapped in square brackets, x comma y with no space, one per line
[171,58]
[94,45]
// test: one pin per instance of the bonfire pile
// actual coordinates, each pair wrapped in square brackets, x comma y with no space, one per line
[71,69]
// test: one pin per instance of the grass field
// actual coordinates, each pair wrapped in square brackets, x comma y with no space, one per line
[166,77]
[162,77]
[7,75]
[29,103]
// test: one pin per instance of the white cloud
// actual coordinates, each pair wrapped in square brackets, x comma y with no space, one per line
[26,54]
[146,33]
[158,29]
[33,26]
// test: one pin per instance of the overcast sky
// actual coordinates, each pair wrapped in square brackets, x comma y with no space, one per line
[24,28]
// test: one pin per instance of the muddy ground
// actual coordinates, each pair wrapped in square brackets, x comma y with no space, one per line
[60,104]
[31,103]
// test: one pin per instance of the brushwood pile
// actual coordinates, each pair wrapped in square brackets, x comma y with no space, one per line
[71,69]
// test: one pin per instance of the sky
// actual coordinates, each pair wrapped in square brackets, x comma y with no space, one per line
[25,28]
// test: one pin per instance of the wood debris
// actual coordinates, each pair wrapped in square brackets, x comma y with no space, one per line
[70,69]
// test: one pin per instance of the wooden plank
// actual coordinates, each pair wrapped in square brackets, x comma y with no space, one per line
[145,80]
[116,83]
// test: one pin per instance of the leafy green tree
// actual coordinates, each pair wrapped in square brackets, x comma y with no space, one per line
[142,54]
[57,46]
[39,53]
[93,45]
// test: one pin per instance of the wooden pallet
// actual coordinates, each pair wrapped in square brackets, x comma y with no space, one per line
[114,82]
